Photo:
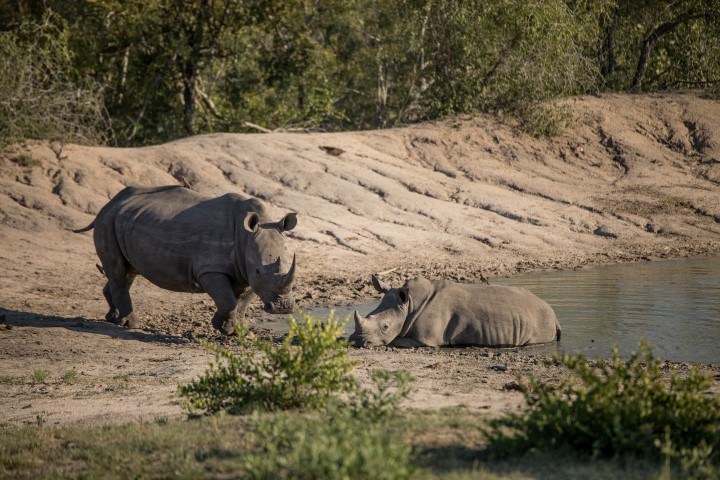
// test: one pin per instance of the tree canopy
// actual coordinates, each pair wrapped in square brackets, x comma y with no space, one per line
[138,72]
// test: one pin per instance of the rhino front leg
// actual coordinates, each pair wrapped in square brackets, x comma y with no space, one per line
[220,289]
[243,297]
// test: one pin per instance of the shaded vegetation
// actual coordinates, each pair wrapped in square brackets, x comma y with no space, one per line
[619,408]
[441,444]
[145,71]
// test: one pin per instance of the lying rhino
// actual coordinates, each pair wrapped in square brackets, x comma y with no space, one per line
[442,313]
[183,241]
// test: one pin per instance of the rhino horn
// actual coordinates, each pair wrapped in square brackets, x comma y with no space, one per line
[358,319]
[290,276]
[379,285]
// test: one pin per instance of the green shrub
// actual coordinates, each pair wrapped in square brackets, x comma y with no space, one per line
[617,408]
[338,445]
[39,375]
[304,371]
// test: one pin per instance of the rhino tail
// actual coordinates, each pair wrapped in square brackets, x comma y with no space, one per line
[558,331]
[89,227]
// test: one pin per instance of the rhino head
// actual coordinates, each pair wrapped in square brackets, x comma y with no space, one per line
[386,322]
[270,267]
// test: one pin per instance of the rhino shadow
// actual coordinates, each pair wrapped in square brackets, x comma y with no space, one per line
[16,318]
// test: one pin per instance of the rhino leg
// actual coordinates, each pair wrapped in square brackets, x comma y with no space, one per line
[219,288]
[243,297]
[119,288]
[113,313]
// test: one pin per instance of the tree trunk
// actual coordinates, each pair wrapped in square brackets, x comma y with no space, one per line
[649,42]
[608,61]
[190,67]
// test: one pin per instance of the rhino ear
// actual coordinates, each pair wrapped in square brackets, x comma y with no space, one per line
[251,222]
[288,222]
[379,285]
[403,294]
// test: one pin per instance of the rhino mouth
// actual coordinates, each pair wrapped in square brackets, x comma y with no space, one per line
[280,306]
[359,342]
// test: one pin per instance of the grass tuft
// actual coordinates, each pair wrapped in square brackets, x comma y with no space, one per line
[40,375]
[26,160]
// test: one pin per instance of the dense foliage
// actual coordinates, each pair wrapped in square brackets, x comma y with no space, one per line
[169,68]
[617,407]
[335,445]
[306,370]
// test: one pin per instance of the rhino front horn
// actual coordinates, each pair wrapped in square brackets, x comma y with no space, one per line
[358,318]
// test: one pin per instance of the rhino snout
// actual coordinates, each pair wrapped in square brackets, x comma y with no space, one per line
[281,305]
[357,338]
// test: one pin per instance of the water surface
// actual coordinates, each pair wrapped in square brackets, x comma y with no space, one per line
[673,304]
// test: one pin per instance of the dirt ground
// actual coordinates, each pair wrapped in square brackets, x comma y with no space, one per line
[636,178]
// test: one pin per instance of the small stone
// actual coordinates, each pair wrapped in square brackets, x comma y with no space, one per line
[513,386]
[498,368]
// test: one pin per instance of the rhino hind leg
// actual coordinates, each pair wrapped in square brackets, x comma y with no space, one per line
[219,288]
[119,284]
[113,313]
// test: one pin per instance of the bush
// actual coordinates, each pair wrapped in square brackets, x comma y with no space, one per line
[339,445]
[618,408]
[304,371]
[38,97]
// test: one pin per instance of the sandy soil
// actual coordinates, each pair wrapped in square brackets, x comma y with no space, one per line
[636,178]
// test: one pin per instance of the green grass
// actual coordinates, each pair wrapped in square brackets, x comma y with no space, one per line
[446,444]
[11,380]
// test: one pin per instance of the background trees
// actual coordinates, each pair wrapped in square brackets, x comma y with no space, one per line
[146,71]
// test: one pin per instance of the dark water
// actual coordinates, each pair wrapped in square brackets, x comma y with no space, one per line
[674,305]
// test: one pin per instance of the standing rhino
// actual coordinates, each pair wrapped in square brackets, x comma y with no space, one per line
[442,313]
[183,241]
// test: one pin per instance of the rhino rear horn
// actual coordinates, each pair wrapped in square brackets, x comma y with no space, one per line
[379,285]
[290,276]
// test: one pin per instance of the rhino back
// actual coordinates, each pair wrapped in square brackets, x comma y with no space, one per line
[173,235]
[488,315]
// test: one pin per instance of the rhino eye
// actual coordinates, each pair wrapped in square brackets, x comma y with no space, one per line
[257,270]
[384,327]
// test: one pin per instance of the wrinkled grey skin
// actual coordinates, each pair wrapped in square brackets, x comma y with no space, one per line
[183,241]
[444,313]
